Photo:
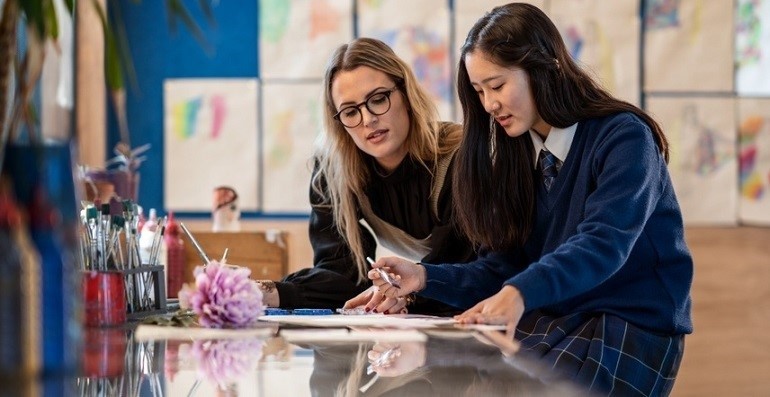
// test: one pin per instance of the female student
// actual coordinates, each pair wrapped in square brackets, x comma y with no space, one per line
[383,158]
[567,189]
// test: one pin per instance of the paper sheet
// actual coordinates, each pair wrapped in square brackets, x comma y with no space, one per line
[210,139]
[752,48]
[701,133]
[292,122]
[754,158]
[158,332]
[368,320]
[420,36]
[688,46]
[298,36]
[344,335]
[604,38]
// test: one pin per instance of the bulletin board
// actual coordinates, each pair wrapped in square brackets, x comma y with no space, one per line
[687,61]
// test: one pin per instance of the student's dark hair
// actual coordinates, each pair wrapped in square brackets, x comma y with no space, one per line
[494,195]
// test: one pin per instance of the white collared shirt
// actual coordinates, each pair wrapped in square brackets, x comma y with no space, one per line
[558,142]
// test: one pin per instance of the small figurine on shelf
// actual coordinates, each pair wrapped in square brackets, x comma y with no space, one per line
[225,212]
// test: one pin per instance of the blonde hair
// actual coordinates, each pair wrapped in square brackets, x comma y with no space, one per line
[342,172]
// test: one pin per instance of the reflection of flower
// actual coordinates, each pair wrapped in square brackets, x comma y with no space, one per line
[223,361]
[223,296]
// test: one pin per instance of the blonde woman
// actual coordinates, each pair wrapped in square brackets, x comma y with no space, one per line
[383,159]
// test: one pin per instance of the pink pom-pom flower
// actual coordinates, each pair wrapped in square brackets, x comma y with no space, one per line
[223,297]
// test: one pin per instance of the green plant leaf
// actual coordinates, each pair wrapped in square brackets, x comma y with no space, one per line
[50,21]
[33,10]
[112,68]
[177,10]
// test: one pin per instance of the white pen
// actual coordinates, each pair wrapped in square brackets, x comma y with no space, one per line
[384,275]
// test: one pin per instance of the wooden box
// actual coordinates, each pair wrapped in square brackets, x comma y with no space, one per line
[265,253]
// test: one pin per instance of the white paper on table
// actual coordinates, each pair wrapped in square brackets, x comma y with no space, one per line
[368,320]
[146,332]
[344,335]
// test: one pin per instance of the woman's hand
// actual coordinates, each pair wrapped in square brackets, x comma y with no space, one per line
[505,307]
[270,295]
[374,301]
[411,276]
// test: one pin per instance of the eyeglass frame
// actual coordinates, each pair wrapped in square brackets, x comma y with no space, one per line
[357,106]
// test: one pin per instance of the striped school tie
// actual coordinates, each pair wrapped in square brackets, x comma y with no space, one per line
[549,166]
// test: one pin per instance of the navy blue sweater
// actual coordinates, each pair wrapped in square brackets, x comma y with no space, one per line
[608,238]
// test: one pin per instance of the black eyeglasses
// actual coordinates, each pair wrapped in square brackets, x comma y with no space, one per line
[377,104]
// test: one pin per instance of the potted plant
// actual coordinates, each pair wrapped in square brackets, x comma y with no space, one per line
[39,267]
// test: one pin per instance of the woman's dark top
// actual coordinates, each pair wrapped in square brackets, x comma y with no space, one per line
[401,199]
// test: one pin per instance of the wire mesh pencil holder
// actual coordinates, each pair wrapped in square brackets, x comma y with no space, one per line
[145,291]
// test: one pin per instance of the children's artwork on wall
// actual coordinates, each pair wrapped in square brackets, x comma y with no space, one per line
[701,133]
[467,12]
[688,46]
[291,124]
[210,140]
[752,47]
[754,160]
[600,36]
[297,36]
[420,37]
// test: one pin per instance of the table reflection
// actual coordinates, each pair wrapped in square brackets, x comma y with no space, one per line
[450,363]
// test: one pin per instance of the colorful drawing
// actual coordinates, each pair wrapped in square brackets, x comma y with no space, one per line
[291,125]
[695,54]
[280,150]
[210,140]
[421,37]
[324,19]
[661,14]
[185,116]
[574,41]
[430,54]
[748,32]
[753,184]
[274,19]
[219,112]
[297,36]
[711,149]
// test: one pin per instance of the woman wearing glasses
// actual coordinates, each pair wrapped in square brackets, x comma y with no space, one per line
[384,159]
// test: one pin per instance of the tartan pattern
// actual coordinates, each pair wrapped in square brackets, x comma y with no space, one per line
[549,166]
[603,353]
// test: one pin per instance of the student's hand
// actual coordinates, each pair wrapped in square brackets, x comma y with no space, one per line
[505,307]
[411,276]
[374,301]
[388,359]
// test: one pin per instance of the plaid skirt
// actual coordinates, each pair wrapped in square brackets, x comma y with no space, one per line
[603,353]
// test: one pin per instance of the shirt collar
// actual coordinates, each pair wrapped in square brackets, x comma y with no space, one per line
[558,142]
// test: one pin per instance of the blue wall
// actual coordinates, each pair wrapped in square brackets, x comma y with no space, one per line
[159,53]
